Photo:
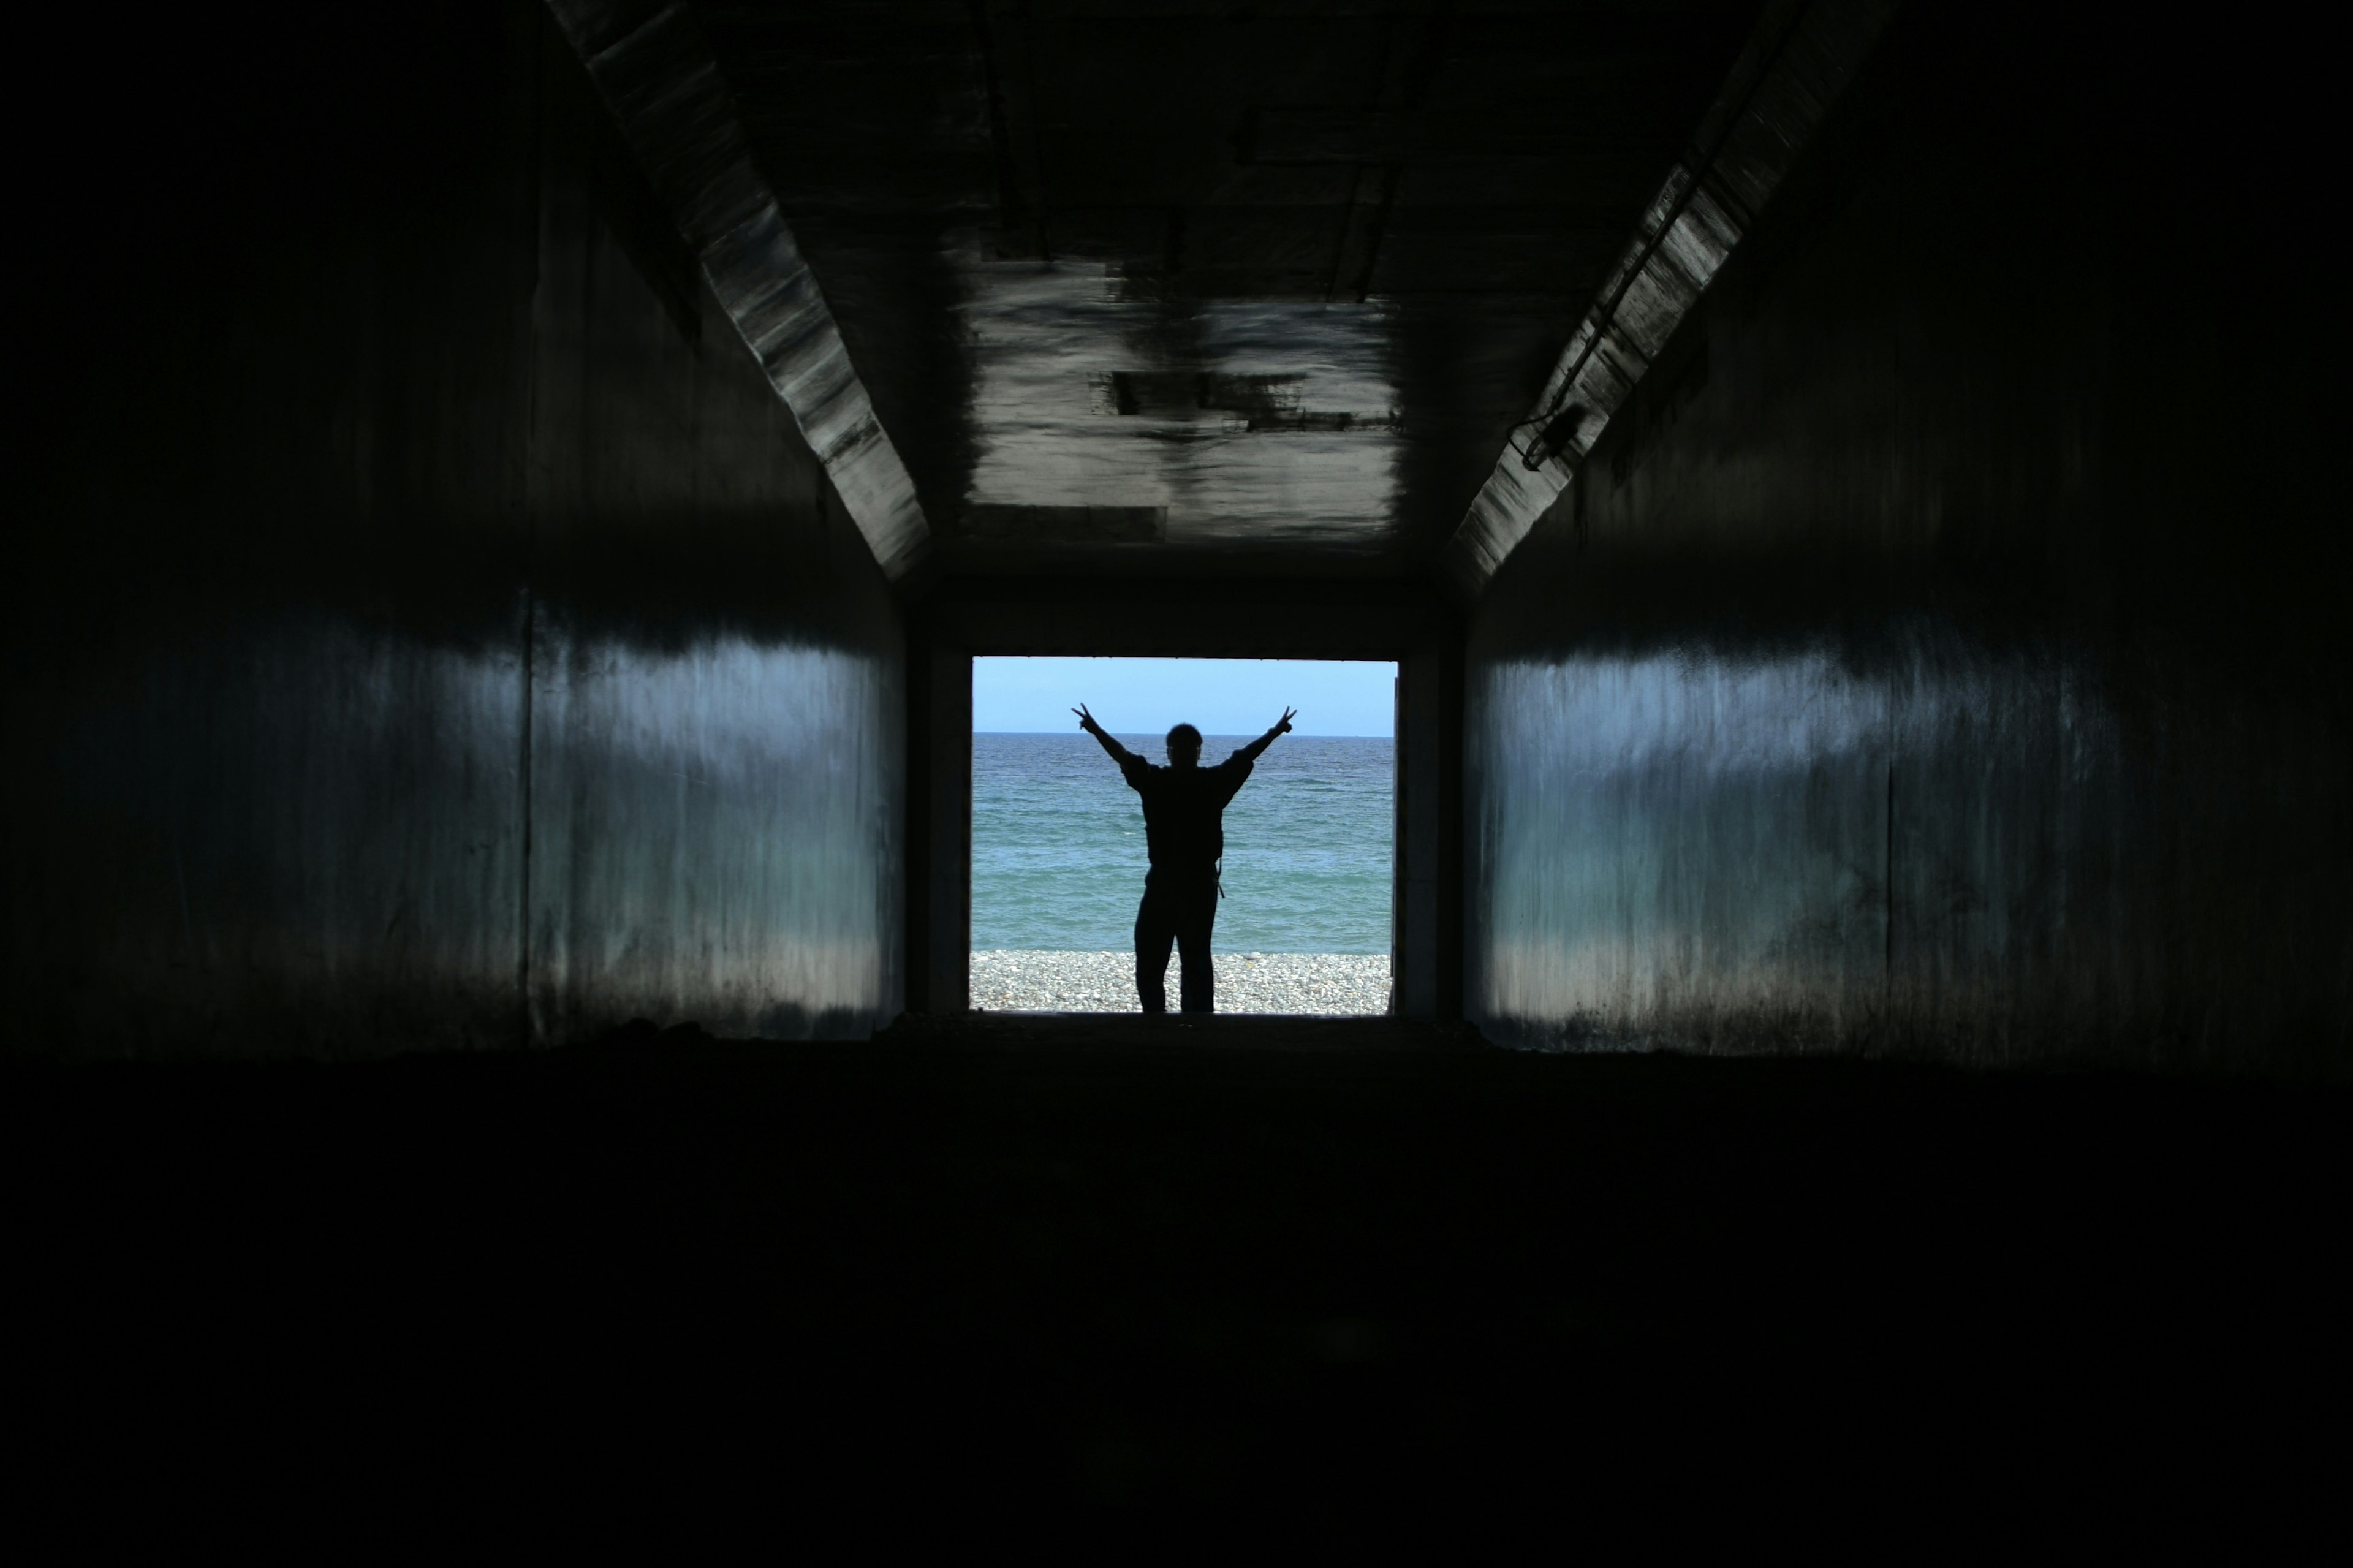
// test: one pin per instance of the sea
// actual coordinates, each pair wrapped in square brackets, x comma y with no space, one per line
[1058,857]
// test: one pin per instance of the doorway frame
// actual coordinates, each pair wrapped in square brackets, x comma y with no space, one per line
[1415,628]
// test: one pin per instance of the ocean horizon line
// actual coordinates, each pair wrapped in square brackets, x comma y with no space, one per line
[1217,950]
[1207,735]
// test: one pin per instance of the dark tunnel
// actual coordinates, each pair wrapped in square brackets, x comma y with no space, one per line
[506,500]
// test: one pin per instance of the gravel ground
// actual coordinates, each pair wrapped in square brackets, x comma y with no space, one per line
[1319,982]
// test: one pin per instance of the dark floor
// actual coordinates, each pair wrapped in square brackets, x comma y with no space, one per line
[1132,1262]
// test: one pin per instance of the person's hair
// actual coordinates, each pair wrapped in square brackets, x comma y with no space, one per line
[1185,736]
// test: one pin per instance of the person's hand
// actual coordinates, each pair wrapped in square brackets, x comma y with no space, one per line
[1283,725]
[1087,719]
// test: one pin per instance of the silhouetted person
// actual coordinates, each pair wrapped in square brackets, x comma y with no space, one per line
[1184,834]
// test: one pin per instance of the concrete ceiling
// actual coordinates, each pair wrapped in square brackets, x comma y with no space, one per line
[1135,284]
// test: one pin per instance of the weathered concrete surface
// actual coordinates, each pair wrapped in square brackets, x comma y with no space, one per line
[654,73]
[1792,73]
[1250,285]
[428,628]
[1945,656]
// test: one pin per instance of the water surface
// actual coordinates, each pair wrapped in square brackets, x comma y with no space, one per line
[1058,858]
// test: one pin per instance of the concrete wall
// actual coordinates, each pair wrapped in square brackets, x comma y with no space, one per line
[1945,656]
[426,628]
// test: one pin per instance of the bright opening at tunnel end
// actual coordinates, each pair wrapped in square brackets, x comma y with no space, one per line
[1300,904]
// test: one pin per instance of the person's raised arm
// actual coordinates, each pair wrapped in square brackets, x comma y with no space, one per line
[1281,727]
[1119,754]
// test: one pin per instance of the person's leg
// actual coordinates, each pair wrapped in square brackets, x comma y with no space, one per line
[1154,931]
[1198,989]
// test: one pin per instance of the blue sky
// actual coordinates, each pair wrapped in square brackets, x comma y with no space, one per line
[1219,696]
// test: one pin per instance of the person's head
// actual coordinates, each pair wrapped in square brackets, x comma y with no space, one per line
[1184,746]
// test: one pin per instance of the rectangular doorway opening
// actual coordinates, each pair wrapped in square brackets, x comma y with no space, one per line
[1306,923]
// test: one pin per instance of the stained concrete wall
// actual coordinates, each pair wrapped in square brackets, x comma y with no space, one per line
[427,626]
[1945,656]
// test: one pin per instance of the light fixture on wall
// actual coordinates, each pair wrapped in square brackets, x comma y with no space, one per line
[1559,428]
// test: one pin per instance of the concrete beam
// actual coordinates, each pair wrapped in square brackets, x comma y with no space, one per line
[658,79]
[1204,618]
[1427,928]
[939,824]
[1793,69]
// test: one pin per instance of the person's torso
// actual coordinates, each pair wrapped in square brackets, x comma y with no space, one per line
[1184,819]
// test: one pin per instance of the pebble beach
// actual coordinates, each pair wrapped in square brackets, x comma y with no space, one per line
[1325,984]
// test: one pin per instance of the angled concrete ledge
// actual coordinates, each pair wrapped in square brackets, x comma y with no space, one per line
[1792,69]
[657,75]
